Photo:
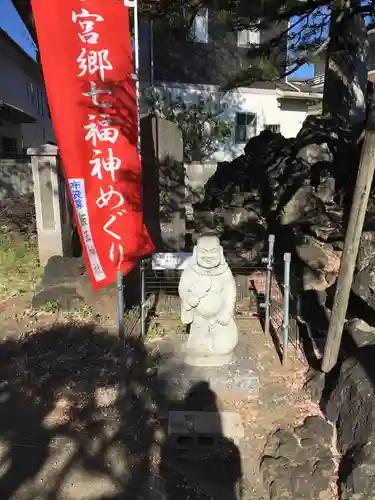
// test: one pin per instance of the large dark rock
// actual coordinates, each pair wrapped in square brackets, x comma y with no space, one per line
[364,284]
[312,254]
[351,407]
[298,204]
[360,332]
[366,250]
[298,465]
[62,270]
[59,283]
[66,282]
[321,264]
[102,302]
[299,188]
[364,281]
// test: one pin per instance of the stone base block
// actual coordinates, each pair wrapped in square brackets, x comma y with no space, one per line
[203,430]
[236,380]
[201,360]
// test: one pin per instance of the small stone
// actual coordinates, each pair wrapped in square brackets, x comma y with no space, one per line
[360,331]
[60,414]
[106,396]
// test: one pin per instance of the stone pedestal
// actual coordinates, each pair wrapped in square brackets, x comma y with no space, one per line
[237,380]
[52,204]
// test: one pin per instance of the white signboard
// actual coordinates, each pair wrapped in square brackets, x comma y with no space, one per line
[170,260]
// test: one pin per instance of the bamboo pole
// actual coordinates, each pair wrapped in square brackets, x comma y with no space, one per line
[352,238]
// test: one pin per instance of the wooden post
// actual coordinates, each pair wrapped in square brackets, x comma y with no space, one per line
[352,238]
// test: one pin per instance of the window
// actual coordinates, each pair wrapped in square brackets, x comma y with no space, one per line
[273,128]
[245,127]
[9,146]
[247,38]
[199,28]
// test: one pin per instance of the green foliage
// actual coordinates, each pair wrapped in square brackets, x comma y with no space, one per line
[261,69]
[157,330]
[203,130]
[19,265]
[51,307]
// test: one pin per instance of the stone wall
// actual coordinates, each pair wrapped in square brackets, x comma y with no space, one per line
[16,177]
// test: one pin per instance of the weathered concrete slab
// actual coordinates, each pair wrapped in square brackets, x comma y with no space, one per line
[237,380]
[203,429]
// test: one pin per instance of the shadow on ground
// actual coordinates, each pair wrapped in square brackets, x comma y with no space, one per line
[83,417]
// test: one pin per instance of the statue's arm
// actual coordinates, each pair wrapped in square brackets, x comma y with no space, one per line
[230,290]
[185,286]
[185,293]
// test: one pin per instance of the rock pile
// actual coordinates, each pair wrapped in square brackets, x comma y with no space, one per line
[301,190]
[298,464]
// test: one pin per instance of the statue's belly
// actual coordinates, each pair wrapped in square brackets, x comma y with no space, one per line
[210,305]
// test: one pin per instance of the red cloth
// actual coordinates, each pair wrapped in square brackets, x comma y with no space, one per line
[86,54]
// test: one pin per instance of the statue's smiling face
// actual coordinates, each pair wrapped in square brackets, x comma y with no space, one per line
[208,252]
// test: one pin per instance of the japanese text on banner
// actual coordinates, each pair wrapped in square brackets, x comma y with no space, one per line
[99,130]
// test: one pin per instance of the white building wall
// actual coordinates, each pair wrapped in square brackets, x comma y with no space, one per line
[262,102]
[20,90]
[293,113]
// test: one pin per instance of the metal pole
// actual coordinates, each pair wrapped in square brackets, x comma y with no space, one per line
[287,260]
[136,67]
[119,276]
[120,306]
[143,300]
[152,73]
[267,319]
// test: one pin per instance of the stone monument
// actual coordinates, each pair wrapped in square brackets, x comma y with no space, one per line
[208,295]
[163,183]
[54,215]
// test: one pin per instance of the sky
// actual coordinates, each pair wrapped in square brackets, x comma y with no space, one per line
[305,71]
[11,22]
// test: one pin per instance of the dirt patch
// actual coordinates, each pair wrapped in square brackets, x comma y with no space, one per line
[73,387]
[282,403]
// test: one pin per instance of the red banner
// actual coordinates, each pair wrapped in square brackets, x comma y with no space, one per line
[86,54]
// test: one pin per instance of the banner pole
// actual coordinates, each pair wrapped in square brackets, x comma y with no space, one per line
[119,276]
[136,68]
[120,306]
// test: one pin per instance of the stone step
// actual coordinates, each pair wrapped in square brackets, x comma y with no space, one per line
[203,430]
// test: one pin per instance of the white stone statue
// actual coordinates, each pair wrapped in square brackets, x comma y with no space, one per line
[208,295]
